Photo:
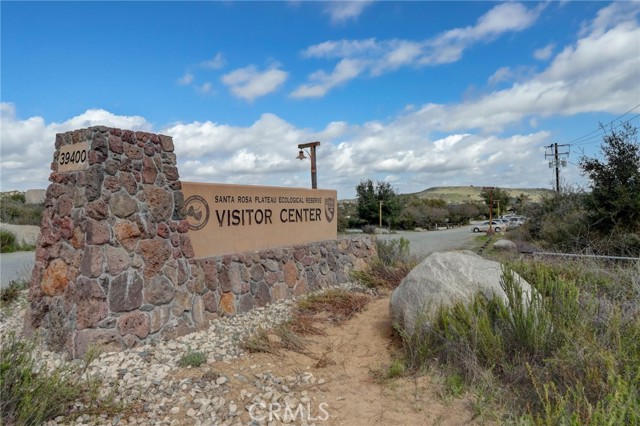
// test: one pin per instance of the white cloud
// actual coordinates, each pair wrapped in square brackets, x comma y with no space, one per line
[379,57]
[205,88]
[544,53]
[249,83]
[502,74]
[342,11]
[186,79]
[215,63]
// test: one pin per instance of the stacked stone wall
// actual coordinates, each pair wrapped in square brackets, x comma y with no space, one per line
[114,262]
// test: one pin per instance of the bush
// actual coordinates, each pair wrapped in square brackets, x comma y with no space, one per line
[30,395]
[569,355]
[11,292]
[192,359]
[7,241]
[16,212]
[392,263]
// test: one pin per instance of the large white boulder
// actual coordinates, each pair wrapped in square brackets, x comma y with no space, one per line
[443,279]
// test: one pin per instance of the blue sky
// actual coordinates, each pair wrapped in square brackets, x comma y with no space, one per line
[419,94]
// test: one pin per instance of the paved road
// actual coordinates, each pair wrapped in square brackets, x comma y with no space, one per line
[16,266]
[422,244]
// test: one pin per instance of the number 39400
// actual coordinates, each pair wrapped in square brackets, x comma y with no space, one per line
[79,156]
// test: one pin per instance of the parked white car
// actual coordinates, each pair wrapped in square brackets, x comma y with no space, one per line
[484,226]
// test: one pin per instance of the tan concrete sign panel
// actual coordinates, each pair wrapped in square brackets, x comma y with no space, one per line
[73,157]
[226,219]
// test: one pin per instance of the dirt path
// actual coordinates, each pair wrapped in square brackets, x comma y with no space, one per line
[345,359]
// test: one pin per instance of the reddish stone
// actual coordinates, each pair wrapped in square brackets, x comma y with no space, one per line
[143,136]
[170,172]
[149,149]
[175,240]
[125,292]
[185,245]
[149,171]
[111,184]
[65,205]
[271,278]
[111,167]
[55,279]
[132,152]
[290,273]
[300,288]
[91,303]
[227,303]
[154,253]
[257,272]
[135,322]
[210,302]
[128,136]
[167,143]
[55,190]
[127,233]
[97,210]
[163,230]
[307,260]
[183,226]
[115,144]
[92,261]
[129,183]
[160,202]
[64,226]
[97,232]
[299,254]
[117,260]
[245,303]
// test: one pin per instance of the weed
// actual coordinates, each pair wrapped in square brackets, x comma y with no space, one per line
[289,339]
[303,323]
[392,263]
[192,359]
[260,342]
[454,384]
[339,304]
[29,394]
[10,294]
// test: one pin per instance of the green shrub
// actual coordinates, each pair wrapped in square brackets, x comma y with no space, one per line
[7,241]
[568,353]
[11,292]
[32,396]
[192,359]
[16,212]
[392,263]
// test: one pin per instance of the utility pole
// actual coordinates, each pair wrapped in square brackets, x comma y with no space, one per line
[490,189]
[557,161]
[381,213]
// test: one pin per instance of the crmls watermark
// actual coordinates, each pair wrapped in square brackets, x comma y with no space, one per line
[286,413]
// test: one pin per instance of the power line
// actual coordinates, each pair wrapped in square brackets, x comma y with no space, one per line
[596,138]
[579,139]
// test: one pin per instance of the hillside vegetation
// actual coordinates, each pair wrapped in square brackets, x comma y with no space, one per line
[462,194]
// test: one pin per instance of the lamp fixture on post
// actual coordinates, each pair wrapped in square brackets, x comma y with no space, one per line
[312,155]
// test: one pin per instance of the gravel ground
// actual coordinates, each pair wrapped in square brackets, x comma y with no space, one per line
[148,377]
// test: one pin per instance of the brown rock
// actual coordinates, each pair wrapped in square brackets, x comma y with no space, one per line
[197,311]
[300,288]
[77,239]
[263,295]
[112,184]
[257,272]
[115,144]
[65,205]
[227,303]
[271,278]
[91,303]
[135,322]
[160,202]
[97,232]
[163,230]
[125,292]
[127,233]
[159,291]
[290,273]
[123,205]
[129,183]
[55,278]
[170,172]
[93,186]
[210,273]
[97,210]
[154,253]
[132,152]
[92,264]
[118,259]
[210,302]
[167,143]
[149,171]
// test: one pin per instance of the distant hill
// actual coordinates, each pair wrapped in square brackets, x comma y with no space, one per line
[462,194]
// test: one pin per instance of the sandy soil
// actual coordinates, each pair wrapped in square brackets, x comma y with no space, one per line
[353,397]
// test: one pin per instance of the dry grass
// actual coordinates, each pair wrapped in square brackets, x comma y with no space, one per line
[339,305]
[303,323]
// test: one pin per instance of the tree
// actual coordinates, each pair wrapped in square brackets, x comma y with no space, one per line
[500,199]
[614,202]
[369,197]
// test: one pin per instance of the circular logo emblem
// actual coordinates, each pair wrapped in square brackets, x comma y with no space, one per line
[197,212]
